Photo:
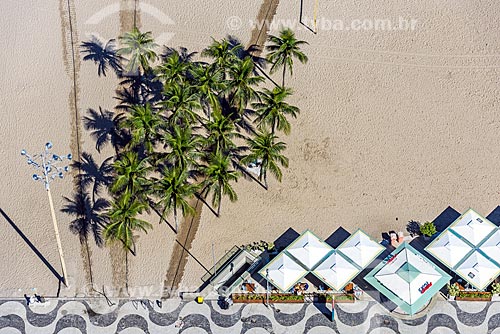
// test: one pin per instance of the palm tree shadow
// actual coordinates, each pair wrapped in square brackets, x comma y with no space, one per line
[105,128]
[252,51]
[100,176]
[32,246]
[104,55]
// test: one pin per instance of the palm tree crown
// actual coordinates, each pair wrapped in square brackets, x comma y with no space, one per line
[184,147]
[131,174]
[283,49]
[140,49]
[218,178]
[123,221]
[272,110]
[143,122]
[265,150]
[241,83]
[173,191]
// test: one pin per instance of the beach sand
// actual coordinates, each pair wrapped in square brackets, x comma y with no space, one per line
[393,124]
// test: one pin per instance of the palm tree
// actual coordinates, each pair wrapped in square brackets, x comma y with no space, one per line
[210,84]
[181,100]
[123,221]
[131,174]
[221,132]
[263,148]
[223,54]
[173,68]
[183,147]
[272,110]
[89,219]
[143,122]
[283,49]
[218,178]
[103,55]
[241,82]
[105,127]
[140,49]
[173,191]
[92,173]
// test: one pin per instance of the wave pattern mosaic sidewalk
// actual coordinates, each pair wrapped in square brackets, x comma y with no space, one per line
[149,317]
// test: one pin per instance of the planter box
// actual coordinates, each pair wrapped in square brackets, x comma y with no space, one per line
[474,299]
[323,299]
[474,296]
[261,298]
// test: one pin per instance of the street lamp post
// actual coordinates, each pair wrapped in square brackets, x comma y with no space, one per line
[47,163]
[267,287]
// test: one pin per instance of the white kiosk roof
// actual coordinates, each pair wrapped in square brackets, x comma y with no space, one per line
[360,249]
[449,249]
[336,271]
[491,247]
[283,272]
[473,227]
[478,270]
[308,249]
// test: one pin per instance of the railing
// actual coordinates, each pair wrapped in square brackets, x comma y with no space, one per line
[233,252]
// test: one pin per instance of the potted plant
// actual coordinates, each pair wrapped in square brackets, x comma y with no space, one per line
[453,291]
[495,290]
[428,229]
[413,227]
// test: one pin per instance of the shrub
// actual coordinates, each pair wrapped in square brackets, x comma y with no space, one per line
[474,294]
[495,288]
[413,227]
[453,289]
[428,229]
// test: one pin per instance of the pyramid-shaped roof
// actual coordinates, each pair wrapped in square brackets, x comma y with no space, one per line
[407,278]
[283,272]
[308,249]
[449,248]
[478,270]
[491,247]
[360,248]
[336,271]
[473,227]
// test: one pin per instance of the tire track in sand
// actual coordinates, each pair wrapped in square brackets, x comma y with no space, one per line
[129,18]
[265,16]
[71,61]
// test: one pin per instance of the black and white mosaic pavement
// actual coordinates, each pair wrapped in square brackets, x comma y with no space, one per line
[175,316]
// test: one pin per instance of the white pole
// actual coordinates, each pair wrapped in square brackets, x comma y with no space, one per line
[213,258]
[58,239]
[54,220]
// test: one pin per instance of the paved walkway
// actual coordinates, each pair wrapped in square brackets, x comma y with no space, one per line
[175,316]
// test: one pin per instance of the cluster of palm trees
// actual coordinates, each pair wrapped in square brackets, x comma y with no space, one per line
[183,129]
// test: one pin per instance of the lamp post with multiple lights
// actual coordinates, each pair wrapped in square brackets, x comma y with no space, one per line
[47,165]
[267,287]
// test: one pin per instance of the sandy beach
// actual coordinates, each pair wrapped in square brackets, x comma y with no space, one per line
[394,125]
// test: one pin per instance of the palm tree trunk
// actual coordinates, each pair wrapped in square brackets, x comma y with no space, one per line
[220,201]
[126,271]
[273,127]
[265,174]
[176,219]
